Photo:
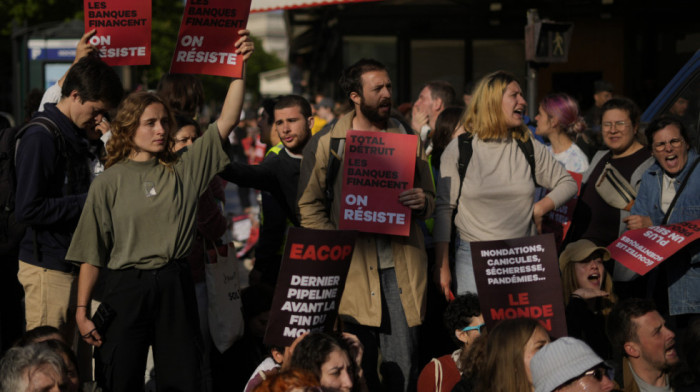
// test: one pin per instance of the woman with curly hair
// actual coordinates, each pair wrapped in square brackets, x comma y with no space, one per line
[334,359]
[136,228]
[465,324]
[559,121]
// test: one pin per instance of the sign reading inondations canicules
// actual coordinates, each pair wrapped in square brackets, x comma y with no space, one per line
[123,35]
[311,281]
[208,32]
[378,167]
[520,278]
[642,250]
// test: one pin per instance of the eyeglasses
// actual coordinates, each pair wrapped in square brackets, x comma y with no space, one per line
[675,143]
[474,328]
[619,125]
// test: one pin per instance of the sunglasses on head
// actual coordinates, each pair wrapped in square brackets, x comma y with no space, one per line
[474,328]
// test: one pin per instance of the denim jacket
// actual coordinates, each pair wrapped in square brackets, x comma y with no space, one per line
[684,267]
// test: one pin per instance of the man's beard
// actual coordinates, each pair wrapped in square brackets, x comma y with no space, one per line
[372,113]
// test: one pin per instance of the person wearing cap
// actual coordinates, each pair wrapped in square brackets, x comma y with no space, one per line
[602,93]
[568,364]
[588,293]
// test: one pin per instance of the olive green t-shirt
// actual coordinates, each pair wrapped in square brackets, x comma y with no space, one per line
[143,214]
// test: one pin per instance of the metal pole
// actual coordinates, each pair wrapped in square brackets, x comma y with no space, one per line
[531,90]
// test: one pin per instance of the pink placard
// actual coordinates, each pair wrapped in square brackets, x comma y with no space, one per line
[643,249]
[378,167]
[208,32]
[123,35]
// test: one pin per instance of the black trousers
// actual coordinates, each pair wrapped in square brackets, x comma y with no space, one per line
[153,307]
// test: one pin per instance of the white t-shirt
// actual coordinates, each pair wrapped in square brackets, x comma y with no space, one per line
[573,159]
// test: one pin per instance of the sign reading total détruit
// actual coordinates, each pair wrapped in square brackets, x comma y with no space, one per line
[378,167]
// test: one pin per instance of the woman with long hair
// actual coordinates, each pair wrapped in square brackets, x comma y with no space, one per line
[495,198]
[588,293]
[136,228]
[509,349]
[559,121]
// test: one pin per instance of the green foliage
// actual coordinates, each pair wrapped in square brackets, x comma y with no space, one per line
[261,61]
[165,25]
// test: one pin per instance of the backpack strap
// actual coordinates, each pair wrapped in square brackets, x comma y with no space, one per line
[529,150]
[337,148]
[678,192]
[464,142]
[50,127]
[60,144]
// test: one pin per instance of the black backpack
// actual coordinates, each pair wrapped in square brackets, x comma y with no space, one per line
[11,232]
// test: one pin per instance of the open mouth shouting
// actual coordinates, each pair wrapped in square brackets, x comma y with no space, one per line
[595,279]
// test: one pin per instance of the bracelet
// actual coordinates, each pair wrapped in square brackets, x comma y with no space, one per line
[81,306]
[576,296]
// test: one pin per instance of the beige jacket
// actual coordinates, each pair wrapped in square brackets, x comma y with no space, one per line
[361,302]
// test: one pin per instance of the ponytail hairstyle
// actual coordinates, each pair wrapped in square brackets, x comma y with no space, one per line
[565,110]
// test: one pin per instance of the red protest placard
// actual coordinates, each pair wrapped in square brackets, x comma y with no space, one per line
[378,167]
[643,249]
[208,32]
[310,284]
[558,221]
[520,278]
[123,27]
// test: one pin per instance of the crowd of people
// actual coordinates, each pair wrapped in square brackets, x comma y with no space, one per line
[121,197]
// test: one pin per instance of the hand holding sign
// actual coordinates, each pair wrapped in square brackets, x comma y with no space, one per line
[84,47]
[244,45]
[413,198]
[205,44]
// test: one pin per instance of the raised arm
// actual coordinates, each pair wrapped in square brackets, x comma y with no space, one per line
[231,111]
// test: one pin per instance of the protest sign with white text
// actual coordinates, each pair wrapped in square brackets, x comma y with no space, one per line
[123,30]
[520,278]
[208,32]
[378,167]
[643,249]
[310,284]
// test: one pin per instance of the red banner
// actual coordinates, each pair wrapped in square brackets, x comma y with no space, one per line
[378,167]
[208,32]
[520,278]
[310,284]
[123,30]
[643,249]
[271,5]
[558,221]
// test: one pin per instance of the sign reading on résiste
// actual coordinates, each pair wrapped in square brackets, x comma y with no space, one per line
[520,278]
[123,27]
[643,249]
[378,167]
[311,281]
[208,32]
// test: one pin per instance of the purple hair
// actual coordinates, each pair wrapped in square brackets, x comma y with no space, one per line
[565,109]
